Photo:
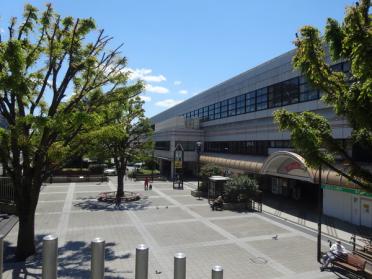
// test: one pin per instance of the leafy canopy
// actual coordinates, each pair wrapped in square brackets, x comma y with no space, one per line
[54,78]
[349,94]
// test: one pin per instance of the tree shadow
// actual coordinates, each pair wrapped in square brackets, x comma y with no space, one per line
[73,261]
[342,273]
[94,205]
[307,211]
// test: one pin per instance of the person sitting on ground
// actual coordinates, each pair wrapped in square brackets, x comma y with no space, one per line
[217,203]
[337,251]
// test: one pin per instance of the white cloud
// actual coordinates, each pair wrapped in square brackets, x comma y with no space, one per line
[2,30]
[144,74]
[145,98]
[156,89]
[167,103]
[183,92]
[177,82]
[194,94]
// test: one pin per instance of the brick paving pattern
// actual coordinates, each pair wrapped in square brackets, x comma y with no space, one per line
[168,221]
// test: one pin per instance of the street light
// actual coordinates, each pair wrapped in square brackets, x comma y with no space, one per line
[198,150]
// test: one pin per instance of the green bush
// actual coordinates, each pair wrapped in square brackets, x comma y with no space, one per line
[240,188]
[131,174]
[147,171]
[207,171]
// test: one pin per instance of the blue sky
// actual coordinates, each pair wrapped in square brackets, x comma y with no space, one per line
[184,47]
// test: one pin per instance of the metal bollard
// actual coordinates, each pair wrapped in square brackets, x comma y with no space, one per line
[179,266]
[1,254]
[50,253]
[142,262]
[217,272]
[97,263]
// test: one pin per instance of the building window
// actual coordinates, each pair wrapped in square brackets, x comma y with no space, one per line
[217,110]
[211,112]
[290,91]
[240,104]
[238,147]
[275,95]
[187,145]
[261,96]
[307,92]
[162,145]
[232,106]
[250,101]
[205,114]
[224,109]
[200,113]
[280,94]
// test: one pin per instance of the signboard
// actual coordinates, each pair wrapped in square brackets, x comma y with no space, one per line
[178,158]
[346,190]
[178,162]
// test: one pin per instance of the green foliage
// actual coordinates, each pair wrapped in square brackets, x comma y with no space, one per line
[350,95]
[58,80]
[240,188]
[207,171]
[122,133]
[147,171]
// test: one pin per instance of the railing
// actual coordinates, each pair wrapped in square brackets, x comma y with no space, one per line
[50,260]
[6,190]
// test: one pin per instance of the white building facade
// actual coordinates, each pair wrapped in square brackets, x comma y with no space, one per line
[234,122]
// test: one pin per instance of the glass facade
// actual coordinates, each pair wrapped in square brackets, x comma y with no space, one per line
[162,145]
[280,94]
[259,147]
[187,145]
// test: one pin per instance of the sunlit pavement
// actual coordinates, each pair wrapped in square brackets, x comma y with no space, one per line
[168,221]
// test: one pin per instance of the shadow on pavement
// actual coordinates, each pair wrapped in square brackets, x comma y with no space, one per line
[94,205]
[73,261]
[306,211]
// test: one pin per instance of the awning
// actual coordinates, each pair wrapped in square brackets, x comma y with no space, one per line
[280,164]
[250,164]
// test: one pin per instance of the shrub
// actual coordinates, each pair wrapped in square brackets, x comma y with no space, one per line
[240,188]
[207,171]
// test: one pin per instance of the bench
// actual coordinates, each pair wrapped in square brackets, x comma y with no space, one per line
[367,256]
[353,263]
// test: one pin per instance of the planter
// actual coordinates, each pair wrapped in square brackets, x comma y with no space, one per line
[235,206]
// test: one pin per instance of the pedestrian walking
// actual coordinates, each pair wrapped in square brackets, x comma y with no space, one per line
[146,184]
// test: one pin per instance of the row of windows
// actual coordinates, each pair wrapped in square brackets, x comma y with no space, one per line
[165,145]
[245,147]
[284,93]
[187,145]
[238,147]
[162,145]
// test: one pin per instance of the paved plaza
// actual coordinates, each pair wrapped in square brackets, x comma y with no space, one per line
[168,221]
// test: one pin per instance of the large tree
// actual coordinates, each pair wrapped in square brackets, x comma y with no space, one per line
[350,94]
[55,75]
[125,139]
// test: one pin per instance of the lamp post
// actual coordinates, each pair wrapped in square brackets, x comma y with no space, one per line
[320,212]
[198,150]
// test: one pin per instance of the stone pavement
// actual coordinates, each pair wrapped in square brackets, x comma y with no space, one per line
[168,221]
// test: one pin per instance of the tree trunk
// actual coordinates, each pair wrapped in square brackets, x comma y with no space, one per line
[26,198]
[120,190]
[26,236]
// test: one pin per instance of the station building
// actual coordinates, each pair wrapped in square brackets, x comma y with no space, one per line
[234,123]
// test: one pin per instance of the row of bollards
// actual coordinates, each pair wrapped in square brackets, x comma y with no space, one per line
[50,254]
